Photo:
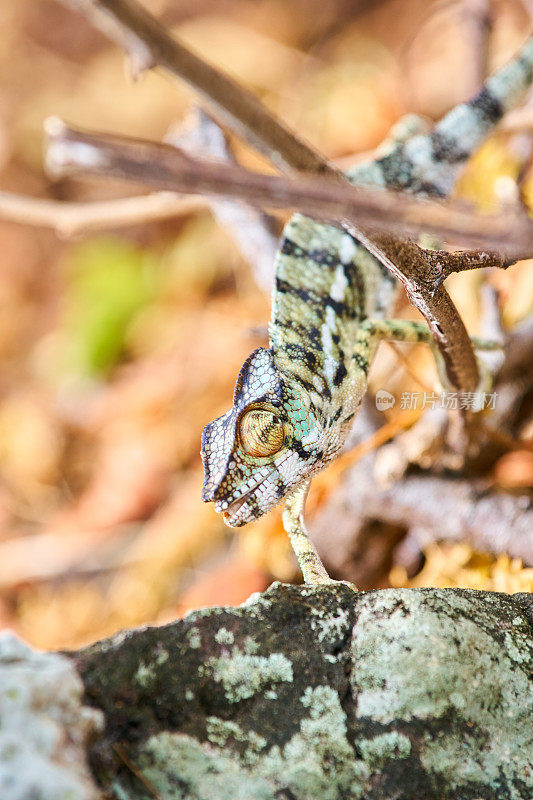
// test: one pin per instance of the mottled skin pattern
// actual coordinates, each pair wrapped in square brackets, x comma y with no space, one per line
[329,305]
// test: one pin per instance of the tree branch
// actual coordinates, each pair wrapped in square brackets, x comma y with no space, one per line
[71,218]
[445,263]
[430,507]
[71,151]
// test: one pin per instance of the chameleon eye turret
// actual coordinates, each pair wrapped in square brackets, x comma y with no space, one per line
[261,433]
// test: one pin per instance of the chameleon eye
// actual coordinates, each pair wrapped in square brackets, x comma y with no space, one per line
[261,433]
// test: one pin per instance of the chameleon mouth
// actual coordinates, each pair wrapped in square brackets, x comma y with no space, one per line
[235,515]
[232,510]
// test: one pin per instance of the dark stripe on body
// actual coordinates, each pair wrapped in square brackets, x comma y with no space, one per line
[318,300]
[488,106]
[324,258]
[361,362]
[301,353]
[340,374]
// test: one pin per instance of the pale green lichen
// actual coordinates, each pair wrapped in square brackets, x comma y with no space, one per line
[223,636]
[44,726]
[146,671]
[317,763]
[220,731]
[331,627]
[119,792]
[517,653]
[379,749]
[242,673]
[194,639]
[446,664]
[145,674]
[180,768]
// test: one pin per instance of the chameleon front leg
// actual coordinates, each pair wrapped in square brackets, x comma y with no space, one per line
[405,330]
[313,569]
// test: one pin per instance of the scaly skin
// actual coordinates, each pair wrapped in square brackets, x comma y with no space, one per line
[329,304]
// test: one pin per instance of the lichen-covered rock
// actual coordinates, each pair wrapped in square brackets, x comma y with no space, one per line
[319,693]
[44,727]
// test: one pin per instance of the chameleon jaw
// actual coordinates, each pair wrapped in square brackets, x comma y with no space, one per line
[233,514]
[229,515]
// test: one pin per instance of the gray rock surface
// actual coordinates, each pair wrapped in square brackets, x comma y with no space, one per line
[316,693]
[44,727]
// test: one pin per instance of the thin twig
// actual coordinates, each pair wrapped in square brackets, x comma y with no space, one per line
[71,218]
[446,263]
[135,770]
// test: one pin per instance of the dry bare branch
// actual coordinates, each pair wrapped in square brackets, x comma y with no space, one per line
[71,218]
[71,151]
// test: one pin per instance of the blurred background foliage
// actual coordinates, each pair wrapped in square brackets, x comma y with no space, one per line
[118,347]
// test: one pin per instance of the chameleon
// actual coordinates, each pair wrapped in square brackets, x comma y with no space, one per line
[294,402]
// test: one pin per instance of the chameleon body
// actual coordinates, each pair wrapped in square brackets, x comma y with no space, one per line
[294,402]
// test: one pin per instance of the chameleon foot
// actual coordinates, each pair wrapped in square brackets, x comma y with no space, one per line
[313,569]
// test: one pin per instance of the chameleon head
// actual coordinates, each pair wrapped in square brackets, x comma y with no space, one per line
[264,447]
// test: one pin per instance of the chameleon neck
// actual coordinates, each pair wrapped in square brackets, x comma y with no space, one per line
[326,284]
